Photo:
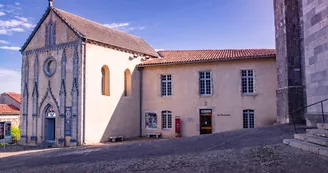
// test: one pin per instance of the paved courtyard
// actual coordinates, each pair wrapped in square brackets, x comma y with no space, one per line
[254,150]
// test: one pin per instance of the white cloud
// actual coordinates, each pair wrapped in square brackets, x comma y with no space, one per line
[2,13]
[158,50]
[17,3]
[1,5]
[11,79]
[17,29]
[4,42]
[125,27]
[14,25]
[10,48]
[21,18]
[117,26]
[3,32]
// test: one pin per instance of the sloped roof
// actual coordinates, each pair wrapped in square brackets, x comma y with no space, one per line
[96,32]
[14,96]
[193,56]
[8,110]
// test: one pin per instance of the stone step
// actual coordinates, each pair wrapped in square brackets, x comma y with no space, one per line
[312,139]
[322,126]
[317,149]
[317,132]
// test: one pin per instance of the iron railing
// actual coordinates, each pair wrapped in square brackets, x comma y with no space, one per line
[305,107]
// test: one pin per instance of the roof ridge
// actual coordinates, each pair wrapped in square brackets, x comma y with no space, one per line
[180,50]
[93,22]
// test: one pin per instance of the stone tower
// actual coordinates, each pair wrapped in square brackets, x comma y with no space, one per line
[302,58]
[290,57]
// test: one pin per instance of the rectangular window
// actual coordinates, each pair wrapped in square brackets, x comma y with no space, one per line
[205,83]
[248,118]
[247,81]
[166,119]
[166,85]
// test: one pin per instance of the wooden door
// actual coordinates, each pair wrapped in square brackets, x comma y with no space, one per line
[205,121]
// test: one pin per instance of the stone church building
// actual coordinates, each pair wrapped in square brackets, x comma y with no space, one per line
[83,82]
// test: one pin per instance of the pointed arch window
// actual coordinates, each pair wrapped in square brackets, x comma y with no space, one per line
[105,81]
[127,82]
[51,32]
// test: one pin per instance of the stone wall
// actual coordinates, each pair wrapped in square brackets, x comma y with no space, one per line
[315,15]
[40,89]
[288,27]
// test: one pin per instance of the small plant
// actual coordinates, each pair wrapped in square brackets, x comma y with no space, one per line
[2,144]
[15,133]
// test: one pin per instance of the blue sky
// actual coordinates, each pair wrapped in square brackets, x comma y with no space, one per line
[164,24]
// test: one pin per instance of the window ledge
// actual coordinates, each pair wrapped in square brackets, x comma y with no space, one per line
[169,96]
[167,129]
[211,95]
[249,94]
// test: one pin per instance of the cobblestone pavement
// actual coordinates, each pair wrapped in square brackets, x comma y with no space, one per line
[254,150]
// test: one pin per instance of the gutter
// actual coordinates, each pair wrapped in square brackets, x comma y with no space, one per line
[140,99]
[84,95]
[202,61]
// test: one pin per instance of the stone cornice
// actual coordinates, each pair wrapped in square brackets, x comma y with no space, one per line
[53,48]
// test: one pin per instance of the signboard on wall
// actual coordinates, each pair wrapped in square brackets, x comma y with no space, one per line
[150,120]
[68,121]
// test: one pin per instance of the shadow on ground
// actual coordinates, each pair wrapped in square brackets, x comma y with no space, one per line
[154,148]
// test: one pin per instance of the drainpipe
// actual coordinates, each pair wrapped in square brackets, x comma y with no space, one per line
[84,86]
[140,98]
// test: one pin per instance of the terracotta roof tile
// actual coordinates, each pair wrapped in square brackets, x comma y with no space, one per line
[193,56]
[14,96]
[8,109]
[97,32]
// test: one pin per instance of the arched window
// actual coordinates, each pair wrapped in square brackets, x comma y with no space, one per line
[127,82]
[105,82]
[248,118]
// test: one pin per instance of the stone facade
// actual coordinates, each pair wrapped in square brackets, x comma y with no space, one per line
[301,43]
[41,89]
[290,92]
[315,15]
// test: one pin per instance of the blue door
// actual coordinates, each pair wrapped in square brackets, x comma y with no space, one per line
[50,126]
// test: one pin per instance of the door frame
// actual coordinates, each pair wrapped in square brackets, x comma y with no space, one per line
[44,121]
[54,130]
[199,117]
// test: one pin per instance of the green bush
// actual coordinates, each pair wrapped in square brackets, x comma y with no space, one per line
[15,133]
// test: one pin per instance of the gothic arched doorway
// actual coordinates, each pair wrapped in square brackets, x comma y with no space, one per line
[50,123]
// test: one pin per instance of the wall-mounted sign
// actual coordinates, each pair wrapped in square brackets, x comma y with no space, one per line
[206,111]
[150,120]
[68,121]
[224,115]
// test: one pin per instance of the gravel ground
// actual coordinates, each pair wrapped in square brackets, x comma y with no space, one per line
[255,150]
